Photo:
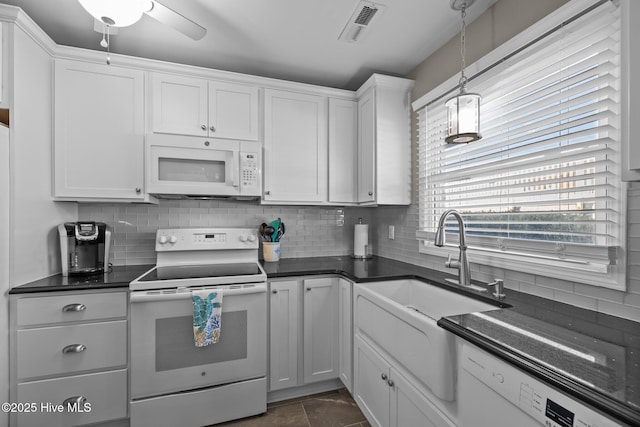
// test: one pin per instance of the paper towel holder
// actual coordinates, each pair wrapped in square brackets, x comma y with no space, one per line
[367,252]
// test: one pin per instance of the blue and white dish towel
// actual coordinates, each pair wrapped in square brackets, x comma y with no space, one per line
[207,316]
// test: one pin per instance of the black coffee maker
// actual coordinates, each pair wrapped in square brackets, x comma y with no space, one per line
[84,247]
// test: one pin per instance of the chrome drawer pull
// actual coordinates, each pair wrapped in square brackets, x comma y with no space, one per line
[74,348]
[77,400]
[73,307]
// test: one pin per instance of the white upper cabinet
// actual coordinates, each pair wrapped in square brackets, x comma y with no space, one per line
[99,132]
[192,106]
[366,147]
[384,141]
[295,147]
[343,149]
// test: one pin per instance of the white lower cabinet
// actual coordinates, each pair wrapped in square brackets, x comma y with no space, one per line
[345,320]
[68,357]
[388,398]
[303,330]
[284,310]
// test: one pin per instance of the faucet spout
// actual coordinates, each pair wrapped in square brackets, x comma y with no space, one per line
[462,264]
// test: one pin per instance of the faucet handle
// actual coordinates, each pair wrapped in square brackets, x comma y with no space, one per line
[499,285]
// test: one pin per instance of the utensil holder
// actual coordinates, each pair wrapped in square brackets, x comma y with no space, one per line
[271,251]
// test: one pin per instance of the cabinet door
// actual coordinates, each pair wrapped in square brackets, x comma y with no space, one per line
[346,334]
[98,139]
[233,111]
[343,148]
[283,329]
[295,147]
[410,408]
[366,147]
[179,105]
[371,391]
[321,344]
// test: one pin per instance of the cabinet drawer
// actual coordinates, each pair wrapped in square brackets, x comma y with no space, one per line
[42,351]
[69,308]
[106,393]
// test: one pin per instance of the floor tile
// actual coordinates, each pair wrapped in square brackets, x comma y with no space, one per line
[291,415]
[303,398]
[337,410]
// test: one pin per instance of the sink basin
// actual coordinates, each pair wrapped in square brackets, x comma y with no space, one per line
[400,318]
[426,299]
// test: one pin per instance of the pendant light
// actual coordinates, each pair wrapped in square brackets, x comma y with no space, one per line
[463,110]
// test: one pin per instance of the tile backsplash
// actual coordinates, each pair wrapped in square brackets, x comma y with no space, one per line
[328,231]
[310,230]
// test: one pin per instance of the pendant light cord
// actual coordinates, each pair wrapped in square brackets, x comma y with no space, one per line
[463,78]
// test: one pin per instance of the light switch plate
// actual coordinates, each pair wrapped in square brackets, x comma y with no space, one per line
[392,232]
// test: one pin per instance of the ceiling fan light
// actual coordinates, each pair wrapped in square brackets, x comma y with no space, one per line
[463,118]
[117,13]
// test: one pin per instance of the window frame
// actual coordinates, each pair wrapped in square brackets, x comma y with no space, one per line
[575,264]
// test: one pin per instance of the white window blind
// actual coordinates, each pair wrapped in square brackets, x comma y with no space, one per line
[543,180]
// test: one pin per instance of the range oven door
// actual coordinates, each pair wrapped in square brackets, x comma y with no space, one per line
[164,358]
[178,165]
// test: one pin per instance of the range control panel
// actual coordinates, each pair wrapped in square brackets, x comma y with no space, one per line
[544,404]
[195,239]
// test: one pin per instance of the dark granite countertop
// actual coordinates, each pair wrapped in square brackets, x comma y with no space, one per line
[117,277]
[601,369]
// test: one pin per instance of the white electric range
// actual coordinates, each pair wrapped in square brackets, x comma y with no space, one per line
[173,382]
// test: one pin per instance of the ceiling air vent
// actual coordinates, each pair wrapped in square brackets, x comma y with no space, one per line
[360,21]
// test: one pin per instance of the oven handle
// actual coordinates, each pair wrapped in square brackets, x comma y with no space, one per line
[185,293]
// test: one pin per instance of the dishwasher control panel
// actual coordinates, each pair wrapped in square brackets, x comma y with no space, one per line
[544,404]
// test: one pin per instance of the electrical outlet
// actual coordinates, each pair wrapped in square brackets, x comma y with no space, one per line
[392,232]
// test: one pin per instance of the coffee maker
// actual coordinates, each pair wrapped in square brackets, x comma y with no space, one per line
[84,247]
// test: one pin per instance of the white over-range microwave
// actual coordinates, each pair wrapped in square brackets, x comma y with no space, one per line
[193,167]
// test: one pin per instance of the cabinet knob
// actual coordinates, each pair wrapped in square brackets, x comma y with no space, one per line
[371,193]
[73,308]
[74,348]
[203,127]
[77,400]
[267,192]
[275,291]
[308,288]
[138,190]
[206,143]
[212,128]
[383,376]
[390,383]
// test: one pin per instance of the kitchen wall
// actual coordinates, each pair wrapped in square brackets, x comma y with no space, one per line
[310,230]
[503,20]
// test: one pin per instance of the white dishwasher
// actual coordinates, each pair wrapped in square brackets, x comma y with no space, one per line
[493,393]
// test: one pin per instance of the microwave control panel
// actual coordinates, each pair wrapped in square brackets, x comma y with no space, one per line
[249,173]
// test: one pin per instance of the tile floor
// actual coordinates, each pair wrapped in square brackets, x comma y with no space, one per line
[330,409]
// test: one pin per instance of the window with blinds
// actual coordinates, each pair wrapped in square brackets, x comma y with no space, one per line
[543,180]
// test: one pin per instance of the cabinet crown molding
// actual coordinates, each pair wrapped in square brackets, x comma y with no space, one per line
[15,15]
[399,83]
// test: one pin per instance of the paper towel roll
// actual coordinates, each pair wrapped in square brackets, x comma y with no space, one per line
[360,240]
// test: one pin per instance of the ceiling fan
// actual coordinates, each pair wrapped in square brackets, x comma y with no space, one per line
[122,13]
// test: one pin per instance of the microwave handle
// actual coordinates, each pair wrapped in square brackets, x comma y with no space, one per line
[236,167]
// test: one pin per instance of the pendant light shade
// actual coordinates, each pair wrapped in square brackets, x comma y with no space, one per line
[463,118]
[463,110]
[117,13]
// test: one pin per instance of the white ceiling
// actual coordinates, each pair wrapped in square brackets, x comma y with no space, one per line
[286,39]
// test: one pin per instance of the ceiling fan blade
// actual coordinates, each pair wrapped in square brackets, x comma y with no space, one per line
[173,19]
